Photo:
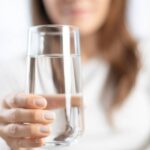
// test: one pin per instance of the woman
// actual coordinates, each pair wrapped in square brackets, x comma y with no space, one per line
[111,76]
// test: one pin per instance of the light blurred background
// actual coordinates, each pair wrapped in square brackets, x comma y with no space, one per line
[138,17]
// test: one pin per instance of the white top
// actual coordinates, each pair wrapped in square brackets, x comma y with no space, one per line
[132,120]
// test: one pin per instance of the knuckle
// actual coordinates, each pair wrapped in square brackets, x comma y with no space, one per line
[16,144]
[12,143]
[14,115]
[12,129]
[20,143]
[14,100]
[20,100]
[4,102]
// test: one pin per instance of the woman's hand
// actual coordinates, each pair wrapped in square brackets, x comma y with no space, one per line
[23,120]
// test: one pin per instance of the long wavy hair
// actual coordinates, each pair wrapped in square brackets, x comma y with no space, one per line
[116,46]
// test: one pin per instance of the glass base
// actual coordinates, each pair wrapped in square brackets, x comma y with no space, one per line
[67,142]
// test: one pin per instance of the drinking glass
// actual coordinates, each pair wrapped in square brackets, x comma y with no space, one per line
[54,72]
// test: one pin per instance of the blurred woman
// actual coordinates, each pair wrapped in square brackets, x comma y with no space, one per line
[116,106]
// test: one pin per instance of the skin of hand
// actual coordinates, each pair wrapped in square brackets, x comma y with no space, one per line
[24,121]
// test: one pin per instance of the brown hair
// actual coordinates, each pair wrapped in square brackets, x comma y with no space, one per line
[120,50]
[117,47]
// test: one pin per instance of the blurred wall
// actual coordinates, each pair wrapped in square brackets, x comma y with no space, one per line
[138,16]
[14,24]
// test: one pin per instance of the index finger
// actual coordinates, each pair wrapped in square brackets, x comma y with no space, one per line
[22,100]
[59,101]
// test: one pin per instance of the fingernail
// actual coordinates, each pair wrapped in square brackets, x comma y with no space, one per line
[40,102]
[49,115]
[44,129]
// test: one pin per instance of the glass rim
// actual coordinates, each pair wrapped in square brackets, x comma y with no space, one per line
[47,31]
[36,27]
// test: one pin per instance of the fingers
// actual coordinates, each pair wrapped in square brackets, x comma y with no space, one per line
[25,135]
[19,115]
[40,102]
[25,131]
[25,143]
[59,101]
[25,101]
[55,101]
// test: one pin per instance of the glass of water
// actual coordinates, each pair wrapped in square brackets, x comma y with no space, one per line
[54,72]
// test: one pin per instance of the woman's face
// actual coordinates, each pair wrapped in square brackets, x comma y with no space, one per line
[88,15]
